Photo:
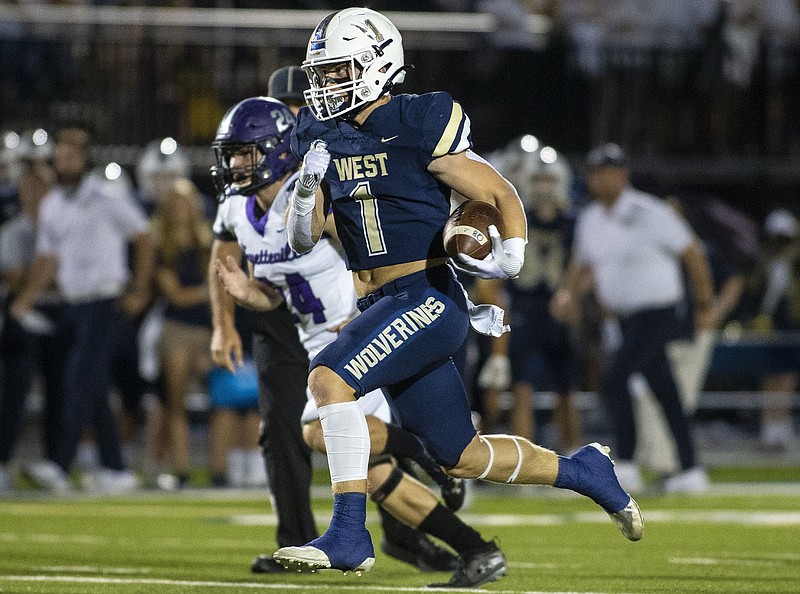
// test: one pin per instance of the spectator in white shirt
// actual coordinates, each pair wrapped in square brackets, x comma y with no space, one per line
[85,225]
[633,245]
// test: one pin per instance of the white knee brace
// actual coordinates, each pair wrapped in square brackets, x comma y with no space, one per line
[487,439]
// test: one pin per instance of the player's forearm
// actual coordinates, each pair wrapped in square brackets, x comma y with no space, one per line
[306,214]
[222,304]
[257,299]
[510,206]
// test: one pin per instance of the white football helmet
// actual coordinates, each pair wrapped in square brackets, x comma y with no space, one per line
[368,48]
[11,153]
[540,174]
[161,163]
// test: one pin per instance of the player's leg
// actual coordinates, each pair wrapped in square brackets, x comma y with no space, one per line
[505,458]
[514,460]
[404,543]
[401,539]
[282,366]
[413,504]
[388,438]
[346,544]
[417,510]
[563,361]
[406,326]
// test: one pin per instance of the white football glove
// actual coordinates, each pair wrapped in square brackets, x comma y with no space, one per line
[315,164]
[505,260]
[495,373]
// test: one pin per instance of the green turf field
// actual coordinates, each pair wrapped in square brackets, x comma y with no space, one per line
[203,542]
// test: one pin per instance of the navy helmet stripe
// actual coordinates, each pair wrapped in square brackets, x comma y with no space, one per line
[317,39]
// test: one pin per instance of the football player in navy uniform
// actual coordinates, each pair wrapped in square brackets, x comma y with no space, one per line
[256,173]
[389,164]
[541,350]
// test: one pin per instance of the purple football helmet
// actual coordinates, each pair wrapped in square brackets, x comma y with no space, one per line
[258,131]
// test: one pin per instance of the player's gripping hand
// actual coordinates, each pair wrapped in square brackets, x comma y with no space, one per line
[315,164]
[505,260]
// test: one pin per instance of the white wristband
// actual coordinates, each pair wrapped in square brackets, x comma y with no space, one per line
[303,203]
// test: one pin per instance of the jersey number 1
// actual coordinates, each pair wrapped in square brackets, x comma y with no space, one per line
[373,233]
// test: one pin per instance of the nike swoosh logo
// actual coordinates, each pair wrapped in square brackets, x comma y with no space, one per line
[384,139]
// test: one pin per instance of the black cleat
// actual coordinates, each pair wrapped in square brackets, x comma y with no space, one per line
[454,492]
[422,553]
[265,564]
[487,564]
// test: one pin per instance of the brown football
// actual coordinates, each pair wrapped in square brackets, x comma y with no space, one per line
[467,229]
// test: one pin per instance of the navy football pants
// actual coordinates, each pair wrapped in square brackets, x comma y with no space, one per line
[402,342]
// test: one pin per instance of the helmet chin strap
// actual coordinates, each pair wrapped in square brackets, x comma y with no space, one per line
[399,71]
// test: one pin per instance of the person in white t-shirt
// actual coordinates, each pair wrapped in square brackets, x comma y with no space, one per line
[633,245]
[85,225]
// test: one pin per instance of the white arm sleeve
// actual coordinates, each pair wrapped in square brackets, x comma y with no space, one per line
[298,228]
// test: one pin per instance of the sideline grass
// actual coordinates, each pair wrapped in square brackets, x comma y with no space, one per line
[180,544]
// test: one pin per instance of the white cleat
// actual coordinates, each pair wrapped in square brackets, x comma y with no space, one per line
[308,559]
[629,520]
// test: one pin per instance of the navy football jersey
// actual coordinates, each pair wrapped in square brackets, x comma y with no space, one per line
[388,208]
[546,256]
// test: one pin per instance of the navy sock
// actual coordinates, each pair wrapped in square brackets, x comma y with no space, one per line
[347,541]
[349,510]
[568,474]
[589,478]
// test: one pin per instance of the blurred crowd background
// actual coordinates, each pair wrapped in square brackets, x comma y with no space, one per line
[702,95]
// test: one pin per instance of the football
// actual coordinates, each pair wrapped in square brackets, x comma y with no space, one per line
[467,229]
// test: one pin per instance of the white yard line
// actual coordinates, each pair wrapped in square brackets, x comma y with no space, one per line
[250,585]
[91,569]
[733,562]
[739,517]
